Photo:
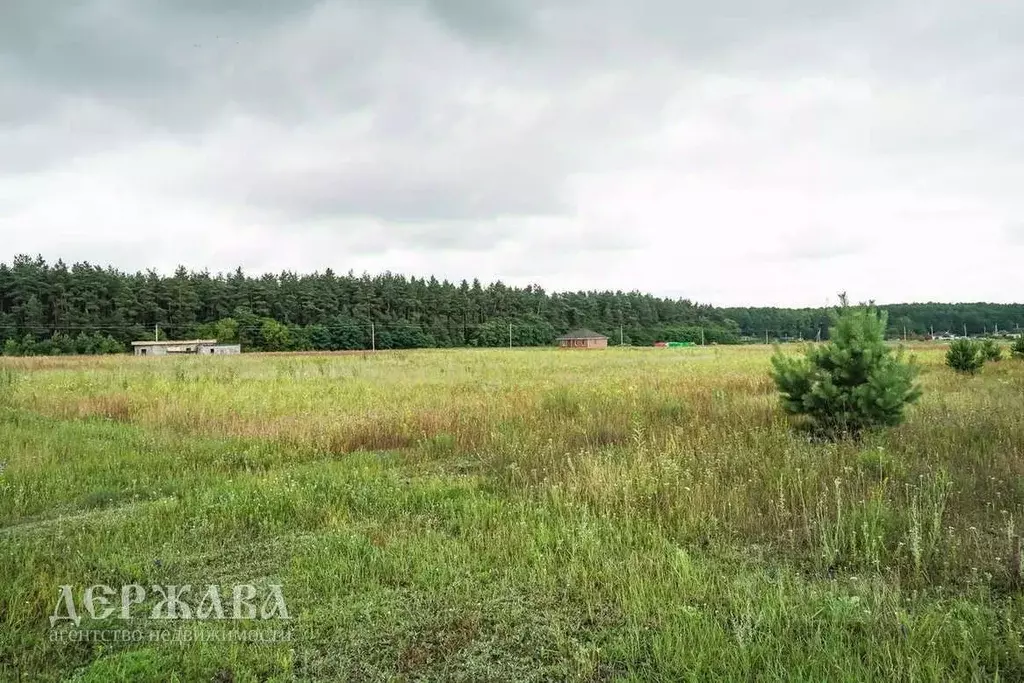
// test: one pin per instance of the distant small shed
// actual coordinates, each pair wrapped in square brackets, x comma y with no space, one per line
[192,346]
[582,339]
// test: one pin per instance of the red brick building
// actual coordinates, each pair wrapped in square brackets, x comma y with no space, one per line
[582,339]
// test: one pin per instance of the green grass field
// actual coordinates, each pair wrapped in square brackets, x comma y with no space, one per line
[629,514]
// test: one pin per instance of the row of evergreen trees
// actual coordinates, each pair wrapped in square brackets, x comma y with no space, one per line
[914,320]
[44,305]
[84,308]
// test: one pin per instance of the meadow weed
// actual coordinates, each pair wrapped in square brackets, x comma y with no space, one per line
[527,514]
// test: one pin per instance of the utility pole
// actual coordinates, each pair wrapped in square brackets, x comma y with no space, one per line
[510,335]
[766,336]
[965,329]
[156,331]
[904,333]
[373,337]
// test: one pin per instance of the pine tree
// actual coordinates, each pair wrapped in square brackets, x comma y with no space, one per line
[1017,349]
[852,383]
[991,350]
[966,356]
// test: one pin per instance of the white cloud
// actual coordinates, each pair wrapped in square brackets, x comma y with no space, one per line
[729,154]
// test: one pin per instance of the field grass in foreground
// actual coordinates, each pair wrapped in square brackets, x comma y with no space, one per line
[629,514]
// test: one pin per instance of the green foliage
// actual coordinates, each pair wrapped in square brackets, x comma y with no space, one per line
[322,311]
[402,336]
[966,356]
[917,321]
[1017,349]
[276,336]
[224,331]
[327,311]
[851,383]
[28,346]
[991,350]
[653,522]
[110,345]
[529,332]
[344,333]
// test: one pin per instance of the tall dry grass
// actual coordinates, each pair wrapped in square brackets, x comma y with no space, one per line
[653,506]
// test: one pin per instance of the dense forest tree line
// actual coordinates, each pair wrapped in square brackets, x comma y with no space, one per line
[55,308]
[84,308]
[914,320]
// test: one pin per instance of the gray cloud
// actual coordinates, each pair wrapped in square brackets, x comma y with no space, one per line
[406,193]
[522,130]
[486,20]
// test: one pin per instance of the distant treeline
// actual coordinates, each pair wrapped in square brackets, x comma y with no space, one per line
[916,320]
[55,308]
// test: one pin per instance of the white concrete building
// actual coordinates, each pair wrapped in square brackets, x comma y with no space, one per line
[192,346]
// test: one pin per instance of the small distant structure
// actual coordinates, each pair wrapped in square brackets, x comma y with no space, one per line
[661,345]
[582,339]
[193,346]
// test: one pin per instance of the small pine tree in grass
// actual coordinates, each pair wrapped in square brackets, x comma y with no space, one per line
[991,350]
[966,356]
[1018,347]
[853,382]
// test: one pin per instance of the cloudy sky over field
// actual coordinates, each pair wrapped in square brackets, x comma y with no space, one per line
[734,152]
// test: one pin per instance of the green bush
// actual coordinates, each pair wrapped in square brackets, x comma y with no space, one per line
[852,383]
[991,350]
[966,356]
[1017,349]
[11,348]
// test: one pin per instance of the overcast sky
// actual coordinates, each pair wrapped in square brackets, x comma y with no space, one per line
[762,152]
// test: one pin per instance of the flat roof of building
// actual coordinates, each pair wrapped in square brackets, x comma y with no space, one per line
[174,343]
